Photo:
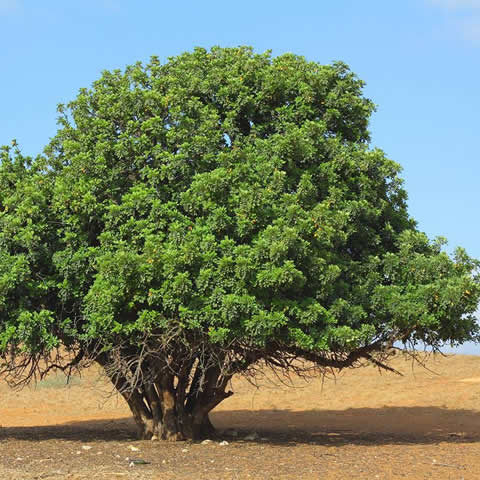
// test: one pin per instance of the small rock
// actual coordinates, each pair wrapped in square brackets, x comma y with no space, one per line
[184,450]
[164,461]
[133,449]
[78,452]
[117,456]
[86,447]
[251,437]
[154,437]
[206,442]
[138,461]
[223,443]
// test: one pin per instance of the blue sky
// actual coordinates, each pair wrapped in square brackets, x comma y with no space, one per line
[420,59]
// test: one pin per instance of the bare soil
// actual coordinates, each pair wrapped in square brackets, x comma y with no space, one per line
[360,425]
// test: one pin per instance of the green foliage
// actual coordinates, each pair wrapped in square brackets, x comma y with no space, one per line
[233,195]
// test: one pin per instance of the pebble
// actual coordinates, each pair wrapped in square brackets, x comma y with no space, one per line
[206,442]
[223,443]
[133,449]
[86,447]
[138,461]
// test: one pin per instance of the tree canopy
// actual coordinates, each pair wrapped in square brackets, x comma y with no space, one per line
[195,218]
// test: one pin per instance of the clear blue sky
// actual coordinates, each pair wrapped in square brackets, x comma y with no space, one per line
[420,59]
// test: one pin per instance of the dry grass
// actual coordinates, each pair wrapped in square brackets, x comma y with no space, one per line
[361,425]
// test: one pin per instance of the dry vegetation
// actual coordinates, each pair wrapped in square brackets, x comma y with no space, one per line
[361,425]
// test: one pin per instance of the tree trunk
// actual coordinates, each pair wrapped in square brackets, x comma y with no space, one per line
[169,425]
[163,411]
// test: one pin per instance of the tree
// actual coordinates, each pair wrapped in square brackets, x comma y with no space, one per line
[194,219]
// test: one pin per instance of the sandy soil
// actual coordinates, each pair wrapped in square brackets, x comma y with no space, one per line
[361,425]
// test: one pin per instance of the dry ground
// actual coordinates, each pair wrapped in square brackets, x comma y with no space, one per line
[363,425]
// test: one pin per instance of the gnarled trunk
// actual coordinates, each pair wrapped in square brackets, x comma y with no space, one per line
[173,407]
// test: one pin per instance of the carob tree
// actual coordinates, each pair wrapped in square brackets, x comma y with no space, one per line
[194,219]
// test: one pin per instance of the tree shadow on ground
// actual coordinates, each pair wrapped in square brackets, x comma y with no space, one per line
[83,431]
[361,426]
[387,425]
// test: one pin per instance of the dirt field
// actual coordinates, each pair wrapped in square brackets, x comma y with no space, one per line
[363,425]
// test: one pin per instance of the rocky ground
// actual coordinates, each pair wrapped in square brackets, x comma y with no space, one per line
[359,425]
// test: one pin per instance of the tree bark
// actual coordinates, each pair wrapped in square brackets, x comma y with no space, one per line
[170,425]
[162,411]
